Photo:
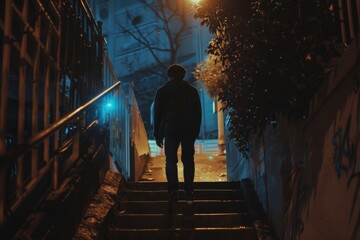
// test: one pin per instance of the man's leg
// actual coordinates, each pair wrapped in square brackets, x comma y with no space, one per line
[187,157]
[171,147]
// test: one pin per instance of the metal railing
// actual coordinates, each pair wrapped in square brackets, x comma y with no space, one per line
[53,74]
[127,130]
[139,139]
[347,13]
[30,69]
[118,117]
[8,158]
[138,134]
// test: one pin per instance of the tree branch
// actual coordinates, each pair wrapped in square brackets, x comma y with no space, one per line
[166,13]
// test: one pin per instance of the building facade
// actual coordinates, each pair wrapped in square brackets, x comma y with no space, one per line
[143,38]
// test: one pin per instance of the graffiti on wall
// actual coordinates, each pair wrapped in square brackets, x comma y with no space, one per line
[344,152]
[345,163]
[300,183]
[296,201]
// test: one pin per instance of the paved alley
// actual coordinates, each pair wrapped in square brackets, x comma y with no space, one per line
[208,168]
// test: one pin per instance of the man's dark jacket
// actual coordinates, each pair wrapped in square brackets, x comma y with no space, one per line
[177,110]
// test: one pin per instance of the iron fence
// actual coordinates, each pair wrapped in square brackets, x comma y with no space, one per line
[127,130]
[347,15]
[56,82]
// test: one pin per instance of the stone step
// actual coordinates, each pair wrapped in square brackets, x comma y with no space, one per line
[238,233]
[153,221]
[201,194]
[197,206]
[197,185]
[217,212]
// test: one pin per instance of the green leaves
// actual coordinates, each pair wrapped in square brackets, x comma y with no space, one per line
[275,53]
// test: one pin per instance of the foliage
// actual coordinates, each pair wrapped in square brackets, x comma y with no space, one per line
[210,73]
[275,51]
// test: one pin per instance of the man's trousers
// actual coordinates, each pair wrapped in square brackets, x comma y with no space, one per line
[187,157]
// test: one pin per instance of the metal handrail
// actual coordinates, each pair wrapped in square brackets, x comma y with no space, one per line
[349,19]
[68,143]
[89,13]
[22,149]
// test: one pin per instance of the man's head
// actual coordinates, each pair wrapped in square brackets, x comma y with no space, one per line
[176,72]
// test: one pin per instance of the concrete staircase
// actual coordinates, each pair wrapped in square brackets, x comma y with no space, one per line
[217,212]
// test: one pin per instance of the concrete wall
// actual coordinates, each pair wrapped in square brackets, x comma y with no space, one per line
[332,209]
[306,172]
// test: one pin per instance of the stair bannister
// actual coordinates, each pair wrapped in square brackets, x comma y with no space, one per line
[347,14]
[6,160]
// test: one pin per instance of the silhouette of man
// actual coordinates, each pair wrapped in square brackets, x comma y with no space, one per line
[177,118]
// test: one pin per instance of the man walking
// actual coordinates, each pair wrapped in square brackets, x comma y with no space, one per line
[177,118]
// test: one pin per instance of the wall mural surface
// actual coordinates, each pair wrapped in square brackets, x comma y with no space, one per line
[325,198]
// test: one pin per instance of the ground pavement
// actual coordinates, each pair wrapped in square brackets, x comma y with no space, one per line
[208,168]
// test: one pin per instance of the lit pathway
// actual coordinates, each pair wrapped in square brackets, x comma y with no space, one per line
[208,168]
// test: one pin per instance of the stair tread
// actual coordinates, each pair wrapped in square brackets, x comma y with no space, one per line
[198,193]
[196,190]
[213,190]
[238,233]
[198,206]
[183,201]
[218,211]
[197,220]
[180,214]
[181,229]
[197,185]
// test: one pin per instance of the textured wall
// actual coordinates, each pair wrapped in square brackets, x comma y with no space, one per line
[332,184]
[307,172]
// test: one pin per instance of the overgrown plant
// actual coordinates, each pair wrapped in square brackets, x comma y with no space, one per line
[274,54]
[210,72]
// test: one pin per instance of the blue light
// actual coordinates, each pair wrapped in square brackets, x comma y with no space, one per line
[108,103]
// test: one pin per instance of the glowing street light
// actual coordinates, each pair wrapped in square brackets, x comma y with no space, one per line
[196,1]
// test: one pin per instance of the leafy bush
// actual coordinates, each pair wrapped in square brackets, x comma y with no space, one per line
[210,72]
[273,52]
